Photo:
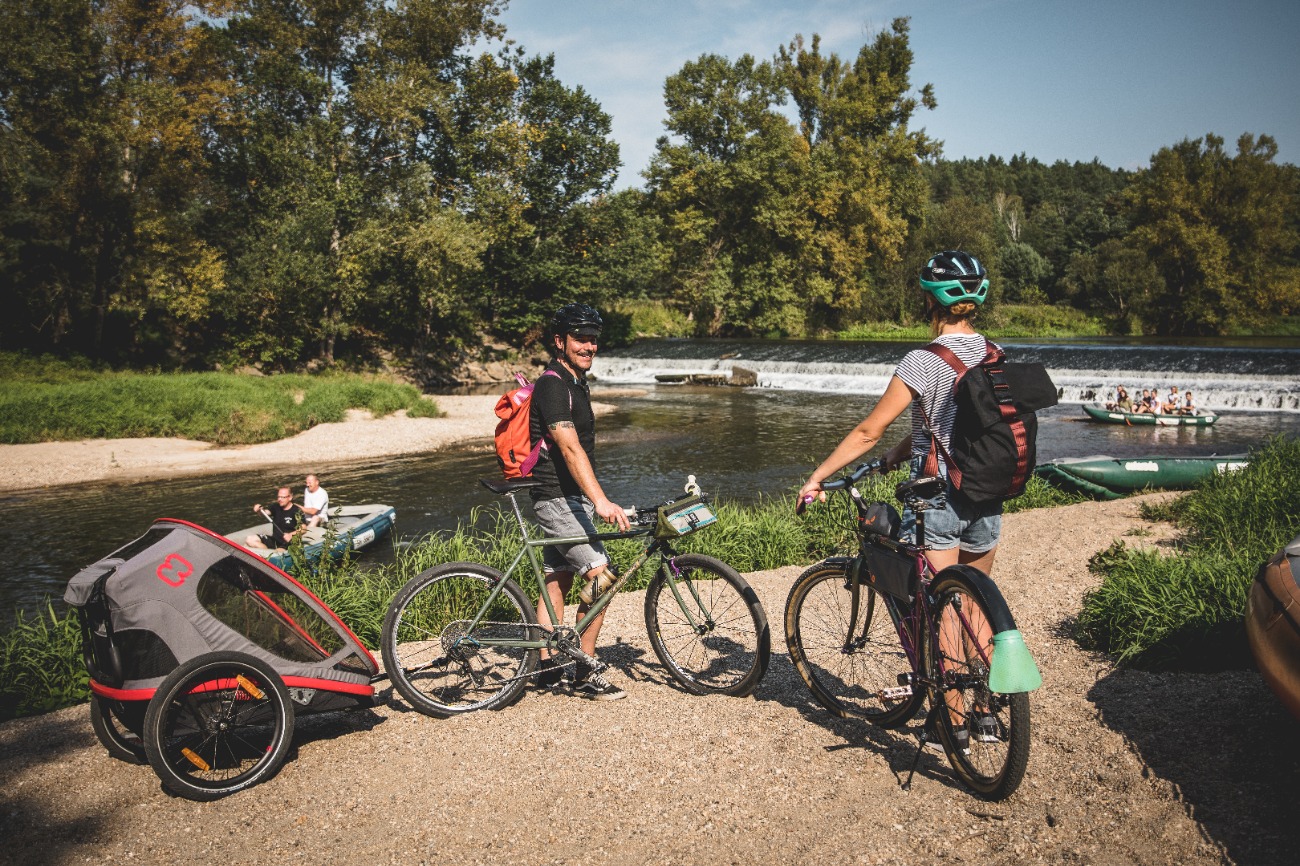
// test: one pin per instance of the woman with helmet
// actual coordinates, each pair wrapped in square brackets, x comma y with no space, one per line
[954,284]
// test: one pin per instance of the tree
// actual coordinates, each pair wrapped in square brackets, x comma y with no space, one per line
[1216,229]
[773,228]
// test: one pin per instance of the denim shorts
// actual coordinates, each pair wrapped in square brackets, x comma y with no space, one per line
[566,517]
[976,528]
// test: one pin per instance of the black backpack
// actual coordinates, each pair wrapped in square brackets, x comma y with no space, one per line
[992,450]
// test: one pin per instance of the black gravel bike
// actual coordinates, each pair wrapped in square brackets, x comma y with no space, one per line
[877,634]
[463,636]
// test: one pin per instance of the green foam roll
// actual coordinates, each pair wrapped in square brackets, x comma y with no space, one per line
[1013,667]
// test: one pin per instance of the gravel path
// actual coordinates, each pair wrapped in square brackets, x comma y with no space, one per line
[1126,767]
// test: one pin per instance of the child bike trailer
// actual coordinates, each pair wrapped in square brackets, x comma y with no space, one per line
[200,654]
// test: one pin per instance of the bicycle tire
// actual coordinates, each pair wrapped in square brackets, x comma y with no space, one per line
[219,723]
[110,722]
[425,651]
[992,767]
[728,649]
[848,674]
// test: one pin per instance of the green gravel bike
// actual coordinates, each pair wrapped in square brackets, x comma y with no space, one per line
[463,636]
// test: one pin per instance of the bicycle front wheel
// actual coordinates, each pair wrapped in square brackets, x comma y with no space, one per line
[986,734]
[852,666]
[707,626]
[443,661]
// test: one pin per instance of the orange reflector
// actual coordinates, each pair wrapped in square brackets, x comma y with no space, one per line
[195,759]
[247,685]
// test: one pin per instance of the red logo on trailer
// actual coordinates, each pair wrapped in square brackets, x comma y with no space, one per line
[179,568]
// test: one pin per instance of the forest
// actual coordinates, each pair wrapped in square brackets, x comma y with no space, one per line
[301,184]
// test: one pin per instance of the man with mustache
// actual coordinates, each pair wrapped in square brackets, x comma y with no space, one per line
[569,497]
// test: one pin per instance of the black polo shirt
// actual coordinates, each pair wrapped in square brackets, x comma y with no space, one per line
[561,397]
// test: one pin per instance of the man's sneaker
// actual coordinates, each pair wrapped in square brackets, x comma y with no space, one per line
[596,586]
[984,728]
[594,687]
[549,674]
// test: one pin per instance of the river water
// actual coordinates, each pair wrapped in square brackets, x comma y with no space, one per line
[741,443]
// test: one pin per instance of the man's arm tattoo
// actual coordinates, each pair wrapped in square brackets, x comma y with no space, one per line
[561,425]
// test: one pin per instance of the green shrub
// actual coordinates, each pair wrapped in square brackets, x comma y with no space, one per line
[1186,610]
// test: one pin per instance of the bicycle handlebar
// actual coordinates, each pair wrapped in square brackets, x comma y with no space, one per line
[865,469]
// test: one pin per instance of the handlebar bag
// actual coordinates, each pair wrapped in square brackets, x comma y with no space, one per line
[683,517]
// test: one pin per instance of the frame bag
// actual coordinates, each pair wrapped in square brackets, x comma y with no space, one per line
[992,450]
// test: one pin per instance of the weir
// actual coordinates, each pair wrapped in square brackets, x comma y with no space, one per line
[1221,378]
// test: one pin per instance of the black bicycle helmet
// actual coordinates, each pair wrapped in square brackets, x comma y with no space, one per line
[579,319]
[952,276]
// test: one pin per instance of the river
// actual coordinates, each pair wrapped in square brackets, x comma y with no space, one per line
[741,443]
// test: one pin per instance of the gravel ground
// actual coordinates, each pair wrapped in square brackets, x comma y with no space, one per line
[1126,767]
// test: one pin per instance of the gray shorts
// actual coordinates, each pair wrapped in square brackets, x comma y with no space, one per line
[976,528]
[566,517]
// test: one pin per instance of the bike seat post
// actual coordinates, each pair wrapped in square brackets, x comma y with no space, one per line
[519,515]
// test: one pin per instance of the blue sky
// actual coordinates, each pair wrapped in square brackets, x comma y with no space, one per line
[1114,80]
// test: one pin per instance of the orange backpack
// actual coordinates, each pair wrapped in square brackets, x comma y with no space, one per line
[515,450]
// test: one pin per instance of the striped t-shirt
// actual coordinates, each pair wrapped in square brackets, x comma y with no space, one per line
[931,379]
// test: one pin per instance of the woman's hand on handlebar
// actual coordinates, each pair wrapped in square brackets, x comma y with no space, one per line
[810,491]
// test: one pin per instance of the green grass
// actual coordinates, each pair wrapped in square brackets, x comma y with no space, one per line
[1005,321]
[1186,610]
[43,401]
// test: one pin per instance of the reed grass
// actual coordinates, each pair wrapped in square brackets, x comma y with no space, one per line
[72,402]
[1186,610]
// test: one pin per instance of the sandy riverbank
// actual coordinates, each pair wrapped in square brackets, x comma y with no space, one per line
[360,437]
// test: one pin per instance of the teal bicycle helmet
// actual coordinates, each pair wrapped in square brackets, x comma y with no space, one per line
[953,276]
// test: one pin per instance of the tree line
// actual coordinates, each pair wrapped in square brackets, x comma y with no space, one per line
[288,182]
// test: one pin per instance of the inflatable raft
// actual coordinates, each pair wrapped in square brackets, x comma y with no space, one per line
[1273,624]
[351,527]
[1134,419]
[1110,478]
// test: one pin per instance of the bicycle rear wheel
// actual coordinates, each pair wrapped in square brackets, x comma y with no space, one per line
[992,755]
[440,664]
[852,668]
[712,635]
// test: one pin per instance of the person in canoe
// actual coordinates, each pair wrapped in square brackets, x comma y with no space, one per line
[286,521]
[1188,407]
[315,502]
[1123,403]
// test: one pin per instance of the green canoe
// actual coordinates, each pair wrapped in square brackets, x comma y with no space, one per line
[1108,478]
[1101,413]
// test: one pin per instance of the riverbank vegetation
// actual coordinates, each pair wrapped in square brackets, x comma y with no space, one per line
[44,400]
[1186,610]
[40,656]
[373,186]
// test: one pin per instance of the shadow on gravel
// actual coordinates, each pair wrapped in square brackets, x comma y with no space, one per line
[35,832]
[897,746]
[1227,746]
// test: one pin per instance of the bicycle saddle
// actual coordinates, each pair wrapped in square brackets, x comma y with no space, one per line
[501,486]
[927,487]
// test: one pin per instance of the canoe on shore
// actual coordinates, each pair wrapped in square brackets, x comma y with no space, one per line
[1110,478]
[350,527]
[1273,624]
[1101,413]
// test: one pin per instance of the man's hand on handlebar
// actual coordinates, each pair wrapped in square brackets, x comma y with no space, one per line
[611,513]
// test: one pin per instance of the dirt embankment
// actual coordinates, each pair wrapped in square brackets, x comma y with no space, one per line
[1126,767]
